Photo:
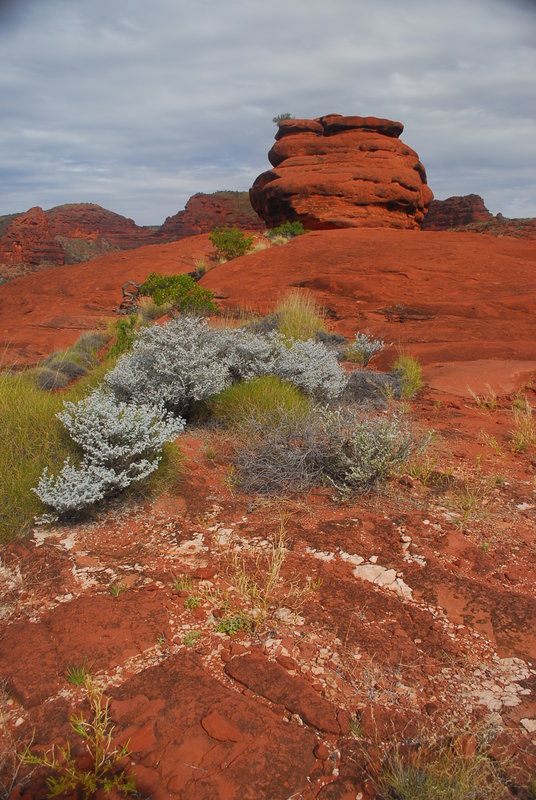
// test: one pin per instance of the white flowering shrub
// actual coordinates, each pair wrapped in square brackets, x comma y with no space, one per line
[310,366]
[363,349]
[120,443]
[174,364]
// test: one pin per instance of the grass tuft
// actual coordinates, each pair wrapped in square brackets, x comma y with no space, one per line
[410,372]
[263,398]
[299,317]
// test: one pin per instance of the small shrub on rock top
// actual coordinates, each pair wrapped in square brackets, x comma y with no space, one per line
[230,242]
[120,444]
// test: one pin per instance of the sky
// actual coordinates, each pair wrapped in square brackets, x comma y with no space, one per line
[138,104]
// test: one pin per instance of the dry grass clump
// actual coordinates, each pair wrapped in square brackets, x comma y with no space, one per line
[523,434]
[62,367]
[298,315]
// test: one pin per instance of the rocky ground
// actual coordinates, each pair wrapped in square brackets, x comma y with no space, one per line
[384,620]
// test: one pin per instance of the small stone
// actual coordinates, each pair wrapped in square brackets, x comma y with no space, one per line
[529,725]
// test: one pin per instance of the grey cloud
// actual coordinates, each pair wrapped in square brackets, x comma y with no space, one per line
[137,105]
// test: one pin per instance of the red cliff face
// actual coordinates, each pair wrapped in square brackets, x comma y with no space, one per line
[342,172]
[28,240]
[455,212]
[204,212]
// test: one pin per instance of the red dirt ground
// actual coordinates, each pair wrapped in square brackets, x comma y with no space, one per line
[398,613]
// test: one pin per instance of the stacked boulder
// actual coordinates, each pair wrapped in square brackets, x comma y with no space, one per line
[342,172]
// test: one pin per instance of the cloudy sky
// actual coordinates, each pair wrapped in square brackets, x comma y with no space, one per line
[138,104]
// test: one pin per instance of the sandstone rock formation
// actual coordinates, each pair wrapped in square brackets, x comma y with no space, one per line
[204,212]
[455,212]
[78,232]
[341,172]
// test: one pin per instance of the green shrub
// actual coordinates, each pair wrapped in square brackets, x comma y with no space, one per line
[234,623]
[410,372]
[264,398]
[280,117]
[125,331]
[230,242]
[181,291]
[289,230]
[298,316]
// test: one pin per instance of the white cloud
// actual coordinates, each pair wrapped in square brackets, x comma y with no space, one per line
[138,105]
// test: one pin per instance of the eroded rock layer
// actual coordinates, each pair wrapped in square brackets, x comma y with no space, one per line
[342,172]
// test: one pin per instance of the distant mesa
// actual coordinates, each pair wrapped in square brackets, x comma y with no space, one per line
[342,172]
[73,233]
[454,212]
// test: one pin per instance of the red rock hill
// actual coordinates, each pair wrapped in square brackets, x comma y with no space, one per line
[75,233]
[455,212]
[342,172]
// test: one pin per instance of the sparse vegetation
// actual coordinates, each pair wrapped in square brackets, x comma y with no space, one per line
[233,623]
[190,638]
[77,676]
[486,402]
[191,602]
[280,117]
[96,733]
[230,242]
[410,372]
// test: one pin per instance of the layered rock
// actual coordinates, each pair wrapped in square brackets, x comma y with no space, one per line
[29,241]
[341,172]
[455,212]
[204,212]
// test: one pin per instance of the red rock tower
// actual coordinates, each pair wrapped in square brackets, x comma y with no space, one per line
[342,172]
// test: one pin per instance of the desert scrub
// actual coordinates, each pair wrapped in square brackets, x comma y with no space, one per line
[311,367]
[119,444]
[363,349]
[104,770]
[181,292]
[263,398]
[230,242]
[410,372]
[282,453]
[298,316]
[366,449]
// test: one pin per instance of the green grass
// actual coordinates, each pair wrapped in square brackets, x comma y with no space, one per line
[299,317]
[264,398]
[410,374]
[30,438]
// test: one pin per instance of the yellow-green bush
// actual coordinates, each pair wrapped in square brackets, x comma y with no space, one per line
[298,315]
[264,398]
[410,372]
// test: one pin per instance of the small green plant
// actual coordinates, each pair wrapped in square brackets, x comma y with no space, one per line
[190,638]
[230,242]
[410,372]
[183,583]
[356,729]
[77,676]
[288,230]
[192,601]
[363,349]
[180,292]
[124,330]
[298,316]
[523,434]
[117,588]
[96,733]
[234,623]
[489,440]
